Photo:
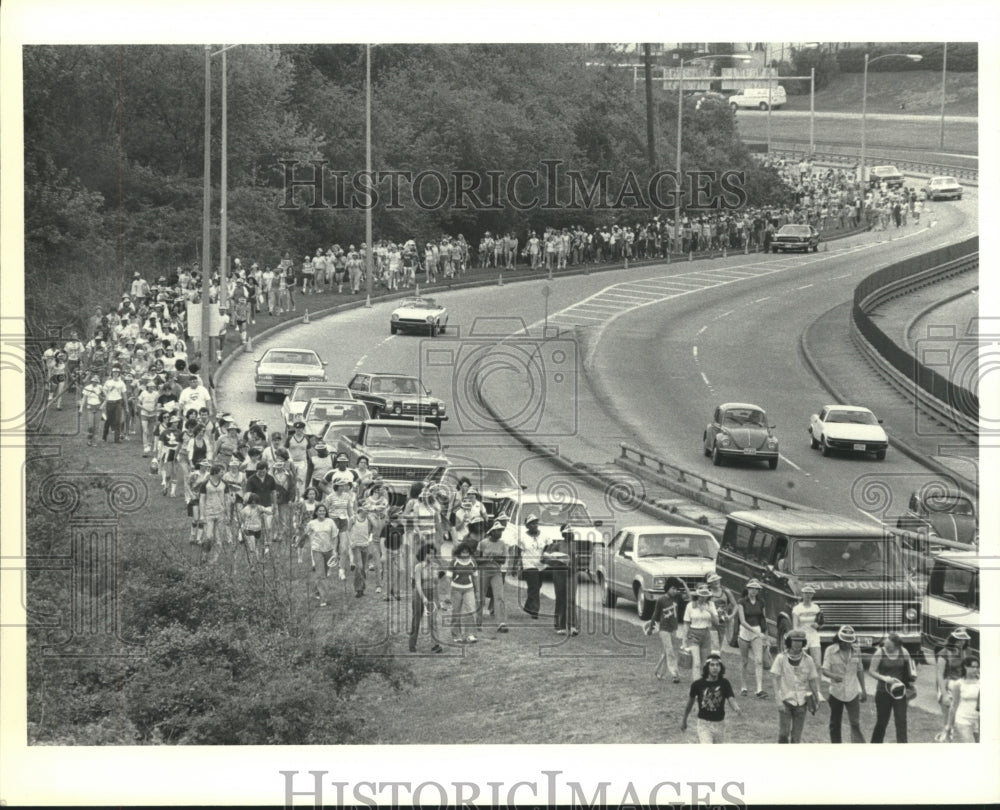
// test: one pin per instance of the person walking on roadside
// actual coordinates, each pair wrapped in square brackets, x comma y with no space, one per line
[359,537]
[321,536]
[752,636]
[531,546]
[114,391]
[796,687]
[491,557]
[393,535]
[560,560]
[947,670]
[668,616]
[712,691]
[425,584]
[842,665]
[892,667]
[700,620]
[963,716]
[808,617]
[91,403]
[725,606]
[464,579]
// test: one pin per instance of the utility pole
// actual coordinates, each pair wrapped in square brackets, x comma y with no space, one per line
[650,142]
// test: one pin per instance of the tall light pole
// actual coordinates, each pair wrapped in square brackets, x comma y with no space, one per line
[369,247]
[650,143]
[944,73]
[680,121]
[206,214]
[913,57]
[812,110]
[770,97]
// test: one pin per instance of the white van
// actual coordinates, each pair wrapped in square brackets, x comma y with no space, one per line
[952,598]
[757,97]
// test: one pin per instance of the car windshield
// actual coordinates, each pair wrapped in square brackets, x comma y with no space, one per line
[409,436]
[338,429]
[852,417]
[291,357]
[859,558]
[675,545]
[395,385]
[744,417]
[944,181]
[794,230]
[303,393]
[419,303]
[885,171]
[336,411]
[556,514]
[950,504]
[483,478]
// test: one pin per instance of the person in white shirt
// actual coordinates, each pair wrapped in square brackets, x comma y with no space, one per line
[91,400]
[531,545]
[114,391]
[148,412]
[195,396]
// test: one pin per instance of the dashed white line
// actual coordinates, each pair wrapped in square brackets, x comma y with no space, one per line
[804,287]
[702,329]
[724,314]
[706,379]
[694,350]
[765,298]
[789,461]
[833,278]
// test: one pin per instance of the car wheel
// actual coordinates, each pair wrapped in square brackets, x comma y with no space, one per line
[762,106]
[772,463]
[812,441]
[824,447]
[643,606]
[608,597]
[260,396]
[816,248]
[880,455]
[716,456]
[704,444]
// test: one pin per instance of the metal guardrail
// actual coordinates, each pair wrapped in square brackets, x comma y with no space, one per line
[729,493]
[923,167]
[949,402]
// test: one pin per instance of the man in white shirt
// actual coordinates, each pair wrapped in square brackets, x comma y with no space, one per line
[195,396]
[114,391]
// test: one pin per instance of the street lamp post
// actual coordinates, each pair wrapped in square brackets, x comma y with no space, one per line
[812,110]
[206,215]
[944,73]
[369,247]
[913,57]
[680,120]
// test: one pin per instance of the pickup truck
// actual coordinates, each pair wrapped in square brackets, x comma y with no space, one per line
[403,452]
[639,559]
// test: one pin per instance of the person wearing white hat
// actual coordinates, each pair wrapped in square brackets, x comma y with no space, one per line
[700,620]
[752,635]
[725,604]
[808,617]
[842,665]
[531,545]
[947,670]
[491,555]
[796,687]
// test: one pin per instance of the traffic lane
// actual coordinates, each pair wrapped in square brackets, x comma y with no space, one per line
[669,398]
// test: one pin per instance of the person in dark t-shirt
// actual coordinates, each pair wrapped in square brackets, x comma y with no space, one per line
[712,691]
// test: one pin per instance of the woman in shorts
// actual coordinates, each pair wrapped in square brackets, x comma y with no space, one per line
[58,379]
[963,717]
[947,670]
[340,505]
[251,520]
[321,535]
[425,582]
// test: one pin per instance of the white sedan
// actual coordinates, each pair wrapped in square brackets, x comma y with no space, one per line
[419,313]
[944,187]
[849,428]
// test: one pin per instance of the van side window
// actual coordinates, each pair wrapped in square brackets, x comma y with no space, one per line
[738,538]
[953,584]
[763,547]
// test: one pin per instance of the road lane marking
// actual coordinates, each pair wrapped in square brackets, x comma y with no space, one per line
[702,329]
[765,298]
[694,349]
[724,314]
[789,461]
[804,287]
[706,379]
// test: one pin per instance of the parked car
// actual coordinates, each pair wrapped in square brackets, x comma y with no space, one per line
[295,402]
[552,514]
[740,430]
[848,428]
[397,396]
[319,413]
[335,430]
[280,370]
[419,314]
[857,568]
[950,515]
[403,452]
[497,487]
[639,559]
[758,98]
[795,237]
[943,188]
[890,174]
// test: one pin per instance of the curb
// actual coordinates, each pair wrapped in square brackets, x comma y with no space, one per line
[905,448]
